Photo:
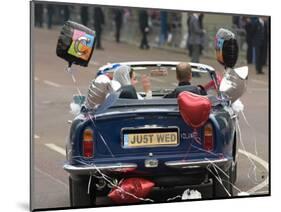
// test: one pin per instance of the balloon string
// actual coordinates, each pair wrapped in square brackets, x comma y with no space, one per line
[107,179]
[254,167]
[173,198]
[252,132]
[102,138]
[71,72]
[89,184]
[220,181]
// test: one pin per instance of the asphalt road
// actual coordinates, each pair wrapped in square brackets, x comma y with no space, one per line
[52,93]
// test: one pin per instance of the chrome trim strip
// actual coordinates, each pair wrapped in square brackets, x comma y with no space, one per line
[83,169]
[195,164]
[157,63]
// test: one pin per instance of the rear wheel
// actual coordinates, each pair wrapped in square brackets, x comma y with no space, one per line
[234,171]
[234,155]
[223,185]
[78,192]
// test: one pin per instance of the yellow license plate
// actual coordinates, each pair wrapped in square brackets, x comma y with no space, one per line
[150,139]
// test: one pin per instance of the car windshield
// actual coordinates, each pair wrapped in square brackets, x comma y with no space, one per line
[163,79]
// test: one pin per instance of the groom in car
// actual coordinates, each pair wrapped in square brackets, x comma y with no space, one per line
[184,76]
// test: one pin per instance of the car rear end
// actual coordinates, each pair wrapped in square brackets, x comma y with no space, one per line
[149,139]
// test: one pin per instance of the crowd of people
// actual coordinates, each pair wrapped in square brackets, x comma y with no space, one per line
[254,29]
[94,17]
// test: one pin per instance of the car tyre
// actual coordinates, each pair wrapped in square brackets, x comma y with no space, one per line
[234,156]
[78,192]
[234,172]
[219,189]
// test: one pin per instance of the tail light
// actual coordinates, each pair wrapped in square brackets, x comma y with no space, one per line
[88,143]
[208,137]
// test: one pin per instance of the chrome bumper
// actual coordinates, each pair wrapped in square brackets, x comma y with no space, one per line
[86,170]
[121,167]
[182,164]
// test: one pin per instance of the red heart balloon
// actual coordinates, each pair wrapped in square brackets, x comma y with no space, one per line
[137,187]
[194,109]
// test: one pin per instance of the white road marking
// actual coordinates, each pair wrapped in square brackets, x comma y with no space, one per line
[259,82]
[95,63]
[51,177]
[36,136]
[46,102]
[258,89]
[47,82]
[261,162]
[261,192]
[56,148]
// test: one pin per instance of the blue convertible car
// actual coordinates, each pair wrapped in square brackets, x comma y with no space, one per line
[149,139]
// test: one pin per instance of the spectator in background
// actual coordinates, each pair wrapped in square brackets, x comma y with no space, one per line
[259,43]
[118,19]
[238,23]
[66,13]
[50,10]
[195,39]
[84,15]
[127,15]
[235,20]
[98,23]
[171,27]
[201,17]
[249,36]
[265,43]
[143,24]
[188,45]
[38,10]
[164,27]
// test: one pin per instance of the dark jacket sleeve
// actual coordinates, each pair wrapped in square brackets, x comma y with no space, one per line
[143,19]
[128,92]
[191,88]
[171,95]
